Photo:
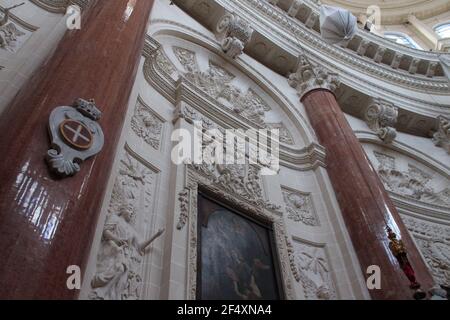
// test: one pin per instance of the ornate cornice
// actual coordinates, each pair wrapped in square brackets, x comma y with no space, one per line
[256,9]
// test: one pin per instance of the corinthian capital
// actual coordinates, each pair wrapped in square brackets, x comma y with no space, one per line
[234,33]
[381,116]
[309,77]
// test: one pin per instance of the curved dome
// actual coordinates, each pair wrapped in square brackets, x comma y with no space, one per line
[395,11]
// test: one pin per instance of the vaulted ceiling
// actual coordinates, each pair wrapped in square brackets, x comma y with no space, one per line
[395,11]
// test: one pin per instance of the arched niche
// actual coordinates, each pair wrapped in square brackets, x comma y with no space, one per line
[274,102]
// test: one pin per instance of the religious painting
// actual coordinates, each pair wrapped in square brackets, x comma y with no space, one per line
[236,258]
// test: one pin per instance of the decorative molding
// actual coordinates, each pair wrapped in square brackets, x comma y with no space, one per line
[234,33]
[299,207]
[147,125]
[258,10]
[309,77]
[59,6]
[381,117]
[240,186]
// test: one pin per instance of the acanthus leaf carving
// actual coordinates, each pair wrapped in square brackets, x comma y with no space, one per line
[309,77]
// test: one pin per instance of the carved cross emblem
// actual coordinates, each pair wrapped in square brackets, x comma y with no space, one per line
[76,134]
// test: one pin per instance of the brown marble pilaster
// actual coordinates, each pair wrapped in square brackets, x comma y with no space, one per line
[365,204]
[47,224]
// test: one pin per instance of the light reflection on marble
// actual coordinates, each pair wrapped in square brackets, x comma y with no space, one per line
[129,10]
[32,198]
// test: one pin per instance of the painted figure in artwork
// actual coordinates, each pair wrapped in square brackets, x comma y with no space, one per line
[243,276]
[118,276]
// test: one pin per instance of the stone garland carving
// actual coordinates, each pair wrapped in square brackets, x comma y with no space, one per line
[216,82]
[310,267]
[147,125]
[118,275]
[300,208]
[442,137]
[235,34]
[434,243]
[309,77]
[381,117]
[183,198]
[411,184]
[244,194]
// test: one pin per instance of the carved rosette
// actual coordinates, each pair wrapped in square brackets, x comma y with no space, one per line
[381,117]
[442,137]
[309,77]
[234,33]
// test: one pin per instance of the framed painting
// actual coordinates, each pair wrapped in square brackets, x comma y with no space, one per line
[236,255]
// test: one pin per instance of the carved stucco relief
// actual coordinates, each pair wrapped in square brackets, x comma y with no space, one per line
[299,207]
[147,125]
[217,82]
[310,266]
[119,261]
[434,243]
[12,34]
[413,183]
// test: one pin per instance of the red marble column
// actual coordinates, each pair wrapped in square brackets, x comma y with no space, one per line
[47,224]
[365,204]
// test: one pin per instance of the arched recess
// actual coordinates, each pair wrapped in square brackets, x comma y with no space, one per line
[420,188]
[282,98]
